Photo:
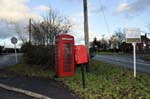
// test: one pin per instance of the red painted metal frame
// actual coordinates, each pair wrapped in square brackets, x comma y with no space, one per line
[60,52]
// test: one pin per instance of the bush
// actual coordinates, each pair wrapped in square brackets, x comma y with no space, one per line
[37,54]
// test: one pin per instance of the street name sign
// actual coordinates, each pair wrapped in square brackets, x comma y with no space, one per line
[133,35]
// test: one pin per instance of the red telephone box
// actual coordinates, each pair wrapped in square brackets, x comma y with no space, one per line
[64,55]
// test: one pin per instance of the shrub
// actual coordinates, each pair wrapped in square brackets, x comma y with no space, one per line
[37,54]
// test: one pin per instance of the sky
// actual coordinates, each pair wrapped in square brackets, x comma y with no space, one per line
[105,16]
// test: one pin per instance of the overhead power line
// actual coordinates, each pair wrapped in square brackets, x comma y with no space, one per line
[105,20]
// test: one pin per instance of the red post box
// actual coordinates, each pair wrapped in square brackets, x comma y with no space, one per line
[64,55]
[81,56]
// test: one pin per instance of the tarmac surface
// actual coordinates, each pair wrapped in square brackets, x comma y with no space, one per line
[47,87]
[9,59]
[125,61]
[5,94]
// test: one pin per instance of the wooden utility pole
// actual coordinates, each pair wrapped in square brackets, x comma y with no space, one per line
[30,30]
[86,32]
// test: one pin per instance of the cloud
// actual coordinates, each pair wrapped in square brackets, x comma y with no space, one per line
[4,33]
[15,10]
[42,8]
[78,29]
[79,36]
[122,7]
[135,8]
[93,34]
[95,9]
[10,29]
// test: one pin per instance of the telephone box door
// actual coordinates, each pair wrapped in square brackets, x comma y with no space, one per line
[64,55]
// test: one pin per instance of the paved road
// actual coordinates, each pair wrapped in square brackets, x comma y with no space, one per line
[8,59]
[48,87]
[4,94]
[125,61]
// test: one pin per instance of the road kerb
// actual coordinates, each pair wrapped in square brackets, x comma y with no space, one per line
[26,92]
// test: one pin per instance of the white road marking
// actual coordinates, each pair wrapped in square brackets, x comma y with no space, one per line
[26,92]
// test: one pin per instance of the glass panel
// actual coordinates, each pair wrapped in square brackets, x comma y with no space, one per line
[67,57]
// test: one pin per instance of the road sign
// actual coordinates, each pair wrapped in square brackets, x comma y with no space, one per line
[134,58]
[133,35]
[14,40]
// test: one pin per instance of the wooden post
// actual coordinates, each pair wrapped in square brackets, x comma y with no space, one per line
[86,32]
[30,30]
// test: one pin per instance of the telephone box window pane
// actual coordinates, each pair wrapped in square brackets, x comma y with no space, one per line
[67,51]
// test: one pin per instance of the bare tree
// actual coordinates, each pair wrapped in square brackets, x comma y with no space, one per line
[44,31]
[20,33]
[120,35]
[114,42]
[104,44]
[38,35]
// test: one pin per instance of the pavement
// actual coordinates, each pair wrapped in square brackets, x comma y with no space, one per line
[125,61]
[47,87]
[42,86]
[5,94]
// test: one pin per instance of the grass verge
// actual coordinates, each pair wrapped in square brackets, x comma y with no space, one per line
[105,81]
[146,58]
[26,70]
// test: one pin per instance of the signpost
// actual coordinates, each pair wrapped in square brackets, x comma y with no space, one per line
[14,41]
[133,36]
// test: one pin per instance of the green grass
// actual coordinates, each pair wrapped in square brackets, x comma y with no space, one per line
[105,81]
[147,58]
[109,82]
[26,70]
